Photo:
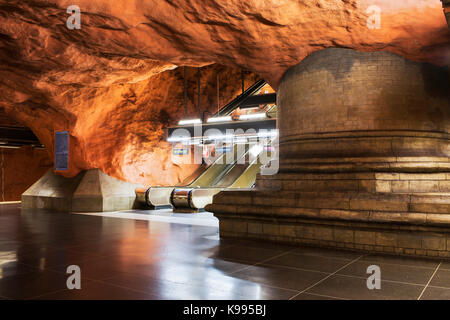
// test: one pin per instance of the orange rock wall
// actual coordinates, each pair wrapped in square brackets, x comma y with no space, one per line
[268,36]
[20,168]
[121,128]
[114,86]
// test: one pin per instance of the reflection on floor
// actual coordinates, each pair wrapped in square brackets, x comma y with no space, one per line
[150,259]
[162,215]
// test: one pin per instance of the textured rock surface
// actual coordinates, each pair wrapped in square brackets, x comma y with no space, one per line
[21,168]
[105,84]
[120,128]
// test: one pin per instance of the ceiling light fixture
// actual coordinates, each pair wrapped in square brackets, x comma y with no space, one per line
[219,119]
[189,121]
[252,116]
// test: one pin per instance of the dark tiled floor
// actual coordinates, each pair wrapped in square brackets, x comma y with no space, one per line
[139,259]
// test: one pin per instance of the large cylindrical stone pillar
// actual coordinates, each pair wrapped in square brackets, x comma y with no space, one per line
[364,158]
[343,110]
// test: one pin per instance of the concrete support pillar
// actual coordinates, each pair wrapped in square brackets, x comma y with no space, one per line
[89,191]
[364,158]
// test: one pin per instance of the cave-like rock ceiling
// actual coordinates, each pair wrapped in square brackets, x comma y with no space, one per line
[115,84]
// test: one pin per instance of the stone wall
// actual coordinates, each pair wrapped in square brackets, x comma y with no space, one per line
[340,104]
[364,159]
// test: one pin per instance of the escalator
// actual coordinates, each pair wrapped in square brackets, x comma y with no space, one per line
[159,197]
[242,174]
[198,189]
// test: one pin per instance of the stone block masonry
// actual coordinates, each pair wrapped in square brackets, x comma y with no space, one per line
[364,159]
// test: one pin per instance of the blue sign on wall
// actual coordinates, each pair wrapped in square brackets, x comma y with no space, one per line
[62,150]
[180,152]
[180,149]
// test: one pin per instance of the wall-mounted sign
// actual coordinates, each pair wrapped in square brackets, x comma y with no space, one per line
[180,149]
[62,150]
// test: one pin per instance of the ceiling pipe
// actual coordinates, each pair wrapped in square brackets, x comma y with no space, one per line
[446,6]
[185,93]
[198,86]
[242,79]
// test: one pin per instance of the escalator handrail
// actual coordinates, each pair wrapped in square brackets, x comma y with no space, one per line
[231,106]
[228,168]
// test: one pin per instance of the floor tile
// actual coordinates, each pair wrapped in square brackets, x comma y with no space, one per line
[45,258]
[280,277]
[142,259]
[211,287]
[399,260]
[13,268]
[445,265]
[97,291]
[327,253]
[28,285]
[257,244]
[400,273]
[96,269]
[356,289]
[432,293]
[441,278]
[308,262]
[250,254]
[309,296]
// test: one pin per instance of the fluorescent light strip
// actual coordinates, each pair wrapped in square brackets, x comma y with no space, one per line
[255,150]
[178,139]
[240,140]
[252,116]
[219,137]
[271,133]
[189,121]
[219,119]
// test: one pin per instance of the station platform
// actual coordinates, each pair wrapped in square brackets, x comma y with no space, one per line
[137,255]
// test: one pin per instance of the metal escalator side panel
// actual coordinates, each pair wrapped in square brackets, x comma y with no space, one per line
[248,178]
[200,198]
[202,180]
[234,173]
[159,196]
[236,102]
[193,199]
[194,176]
[180,198]
[216,169]
[272,112]
[141,196]
[241,153]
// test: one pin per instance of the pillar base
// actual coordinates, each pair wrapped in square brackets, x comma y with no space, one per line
[89,191]
[392,213]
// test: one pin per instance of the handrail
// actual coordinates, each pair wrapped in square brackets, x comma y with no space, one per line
[232,105]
